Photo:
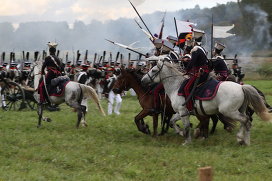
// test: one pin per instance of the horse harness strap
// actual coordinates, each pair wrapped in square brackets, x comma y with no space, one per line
[202,108]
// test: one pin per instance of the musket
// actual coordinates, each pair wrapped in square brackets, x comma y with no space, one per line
[10,57]
[103,57]
[100,59]
[23,55]
[95,56]
[121,59]
[223,59]
[3,57]
[86,57]
[66,57]
[116,59]
[141,19]
[110,59]
[78,56]
[126,47]
[36,56]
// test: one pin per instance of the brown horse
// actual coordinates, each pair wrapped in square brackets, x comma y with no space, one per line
[131,78]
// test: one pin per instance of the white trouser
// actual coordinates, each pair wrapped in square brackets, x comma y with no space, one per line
[3,101]
[118,101]
[132,92]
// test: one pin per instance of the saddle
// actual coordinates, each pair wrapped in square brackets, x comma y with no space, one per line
[58,85]
[204,91]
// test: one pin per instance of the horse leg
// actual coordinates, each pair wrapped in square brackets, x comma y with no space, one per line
[165,124]
[215,121]
[155,124]
[187,129]
[202,129]
[243,135]
[76,105]
[84,112]
[140,122]
[173,124]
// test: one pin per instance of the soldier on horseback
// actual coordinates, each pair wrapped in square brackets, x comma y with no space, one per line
[54,69]
[218,63]
[197,68]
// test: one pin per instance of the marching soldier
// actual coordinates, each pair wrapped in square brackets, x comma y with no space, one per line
[54,69]
[218,63]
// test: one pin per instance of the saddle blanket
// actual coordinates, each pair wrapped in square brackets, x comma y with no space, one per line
[206,91]
[58,85]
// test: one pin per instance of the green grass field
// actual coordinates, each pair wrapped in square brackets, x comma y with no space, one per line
[112,148]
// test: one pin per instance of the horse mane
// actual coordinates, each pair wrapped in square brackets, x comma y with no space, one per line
[137,75]
[175,67]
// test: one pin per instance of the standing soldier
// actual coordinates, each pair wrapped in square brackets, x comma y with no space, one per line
[54,69]
[111,78]
[218,63]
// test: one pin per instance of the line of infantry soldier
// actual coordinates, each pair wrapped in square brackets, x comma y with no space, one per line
[103,75]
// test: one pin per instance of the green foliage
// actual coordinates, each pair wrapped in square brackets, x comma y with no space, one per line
[265,70]
[112,148]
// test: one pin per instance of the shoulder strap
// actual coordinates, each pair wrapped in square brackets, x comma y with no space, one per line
[54,61]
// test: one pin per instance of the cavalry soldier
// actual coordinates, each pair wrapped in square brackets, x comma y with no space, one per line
[110,79]
[218,63]
[198,66]
[54,69]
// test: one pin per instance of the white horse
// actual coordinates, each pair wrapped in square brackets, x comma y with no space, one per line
[231,100]
[73,95]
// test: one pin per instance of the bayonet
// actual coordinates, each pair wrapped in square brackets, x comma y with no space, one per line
[126,47]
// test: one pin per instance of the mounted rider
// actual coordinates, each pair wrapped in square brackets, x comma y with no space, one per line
[54,69]
[218,63]
[197,68]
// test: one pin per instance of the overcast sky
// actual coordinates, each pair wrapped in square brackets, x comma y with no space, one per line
[17,11]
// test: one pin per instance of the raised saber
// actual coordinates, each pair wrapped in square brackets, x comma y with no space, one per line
[141,19]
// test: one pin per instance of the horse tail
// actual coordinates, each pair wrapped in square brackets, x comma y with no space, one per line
[90,92]
[256,101]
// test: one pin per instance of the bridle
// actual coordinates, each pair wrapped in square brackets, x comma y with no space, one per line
[157,73]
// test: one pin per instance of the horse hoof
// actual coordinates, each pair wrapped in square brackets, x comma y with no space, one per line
[49,120]
[197,133]
[186,143]
[241,142]
[84,125]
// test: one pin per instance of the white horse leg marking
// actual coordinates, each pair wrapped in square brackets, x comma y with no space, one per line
[243,135]
[173,121]
[187,130]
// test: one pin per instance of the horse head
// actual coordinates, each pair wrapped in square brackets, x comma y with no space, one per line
[122,82]
[152,75]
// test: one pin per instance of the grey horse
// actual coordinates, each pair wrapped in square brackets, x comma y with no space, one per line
[73,95]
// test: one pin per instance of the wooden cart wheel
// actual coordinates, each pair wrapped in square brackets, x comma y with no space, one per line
[13,96]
